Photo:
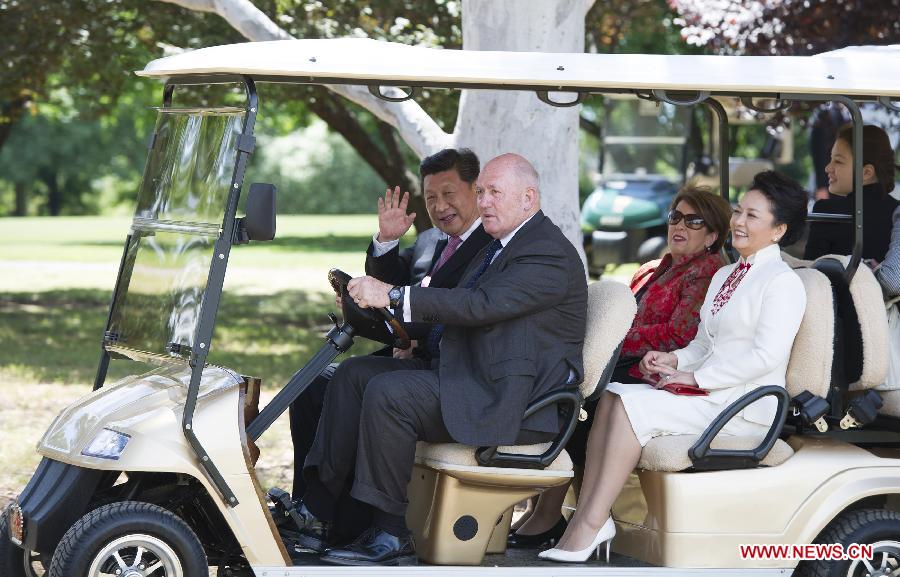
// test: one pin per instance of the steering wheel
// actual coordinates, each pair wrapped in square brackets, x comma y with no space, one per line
[368,323]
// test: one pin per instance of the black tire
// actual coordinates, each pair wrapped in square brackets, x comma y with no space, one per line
[12,557]
[877,527]
[125,527]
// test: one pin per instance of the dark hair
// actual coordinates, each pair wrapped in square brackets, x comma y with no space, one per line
[463,160]
[787,200]
[714,209]
[876,150]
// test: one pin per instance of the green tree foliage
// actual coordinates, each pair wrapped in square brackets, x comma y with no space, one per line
[64,161]
[316,172]
[89,48]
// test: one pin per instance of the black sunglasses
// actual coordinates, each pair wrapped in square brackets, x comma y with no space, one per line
[692,221]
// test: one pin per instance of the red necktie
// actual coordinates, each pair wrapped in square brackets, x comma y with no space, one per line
[728,288]
[448,251]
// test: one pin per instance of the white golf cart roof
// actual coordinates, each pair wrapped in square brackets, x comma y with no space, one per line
[869,71]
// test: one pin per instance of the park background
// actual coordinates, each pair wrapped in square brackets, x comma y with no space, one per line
[74,125]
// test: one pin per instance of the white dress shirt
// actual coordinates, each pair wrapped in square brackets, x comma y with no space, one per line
[407,309]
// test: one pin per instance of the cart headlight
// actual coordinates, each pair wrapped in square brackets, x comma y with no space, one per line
[108,444]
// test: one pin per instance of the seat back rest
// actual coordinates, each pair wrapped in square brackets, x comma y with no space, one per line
[809,368]
[847,339]
[610,312]
[866,356]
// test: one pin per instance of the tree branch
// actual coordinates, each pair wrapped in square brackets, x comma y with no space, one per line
[591,127]
[387,160]
[416,127]
[417,199]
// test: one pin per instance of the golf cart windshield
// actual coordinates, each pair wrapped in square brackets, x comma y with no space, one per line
[643,137]
[181,206]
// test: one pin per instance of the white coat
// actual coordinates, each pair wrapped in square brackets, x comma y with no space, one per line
[747,343]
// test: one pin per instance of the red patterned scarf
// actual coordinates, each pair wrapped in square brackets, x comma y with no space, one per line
[728,288]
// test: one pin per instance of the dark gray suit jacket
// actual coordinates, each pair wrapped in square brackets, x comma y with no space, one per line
[512,338]
[409,266]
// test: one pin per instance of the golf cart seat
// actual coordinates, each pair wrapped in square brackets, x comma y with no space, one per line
[861,342]
[809,369]
[461,497]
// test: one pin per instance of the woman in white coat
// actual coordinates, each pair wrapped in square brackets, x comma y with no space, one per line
[748,322]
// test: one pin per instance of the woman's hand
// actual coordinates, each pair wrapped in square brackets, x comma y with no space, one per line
[654,360]
[674,377]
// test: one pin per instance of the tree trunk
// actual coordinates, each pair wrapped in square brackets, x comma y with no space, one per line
[493,122]
[54,194]
[21,208]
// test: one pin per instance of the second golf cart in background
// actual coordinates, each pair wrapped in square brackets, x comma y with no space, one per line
[648,149]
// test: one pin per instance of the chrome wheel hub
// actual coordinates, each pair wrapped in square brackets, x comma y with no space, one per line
[136,555]
[885,561]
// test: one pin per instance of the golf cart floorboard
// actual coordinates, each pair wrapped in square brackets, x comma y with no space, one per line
[515,562]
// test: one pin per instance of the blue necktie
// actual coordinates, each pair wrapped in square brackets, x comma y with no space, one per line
[433,344]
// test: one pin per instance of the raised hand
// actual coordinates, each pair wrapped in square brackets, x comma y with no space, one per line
[393,222]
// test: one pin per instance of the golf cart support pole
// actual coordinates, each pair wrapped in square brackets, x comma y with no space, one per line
[338,340]
[213,293]
[704,98]
[103,366]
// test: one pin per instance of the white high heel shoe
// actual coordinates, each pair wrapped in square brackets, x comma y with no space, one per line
[605,535]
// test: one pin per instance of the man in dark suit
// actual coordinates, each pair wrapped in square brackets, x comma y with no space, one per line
[438,258]
[512,332]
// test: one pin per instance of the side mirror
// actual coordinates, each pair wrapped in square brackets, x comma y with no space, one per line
[259,224]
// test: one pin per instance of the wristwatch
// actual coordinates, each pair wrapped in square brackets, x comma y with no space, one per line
[396,296]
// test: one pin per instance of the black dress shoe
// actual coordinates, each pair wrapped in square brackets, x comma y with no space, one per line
[310,534]
[374,547]
[547,538]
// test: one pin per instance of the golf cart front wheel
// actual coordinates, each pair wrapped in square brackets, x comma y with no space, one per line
[15,561]
[877,527]
[129,538]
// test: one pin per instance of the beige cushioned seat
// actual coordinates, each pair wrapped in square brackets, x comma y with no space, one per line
[867,296]
[868,300]
[610,312]
[809,369]
[459,510]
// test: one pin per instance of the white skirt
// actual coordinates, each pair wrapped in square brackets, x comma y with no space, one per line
[655,412]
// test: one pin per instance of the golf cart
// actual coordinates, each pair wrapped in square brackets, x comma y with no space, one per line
[648,150]
[644,147]
[153,475]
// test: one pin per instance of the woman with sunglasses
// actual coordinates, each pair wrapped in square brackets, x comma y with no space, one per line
[669,294]
[748,322]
